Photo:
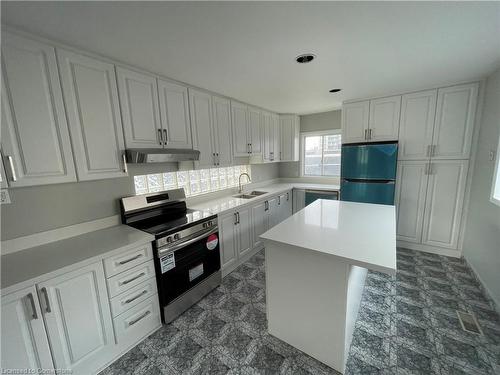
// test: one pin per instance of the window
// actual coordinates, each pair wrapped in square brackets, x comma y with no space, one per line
[495,190]
[194,182]
[321,153]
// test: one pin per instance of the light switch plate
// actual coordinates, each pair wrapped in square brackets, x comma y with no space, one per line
[4,196]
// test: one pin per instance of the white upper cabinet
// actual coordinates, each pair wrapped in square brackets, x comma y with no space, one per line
[416,125]
[289,127]
[355,121]
[222,130]
[267,136]
[254,131]
[35,138]
[174,111]
[444,203]
[201,121]
[91,97]
[139,108]
[276,137]
[24,340]
[384,119]
[78,319]
[455,113]
[411,189]
[239,114]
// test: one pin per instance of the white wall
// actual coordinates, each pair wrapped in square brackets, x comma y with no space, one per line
[482,234]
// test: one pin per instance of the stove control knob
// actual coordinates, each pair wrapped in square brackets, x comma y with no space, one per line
[210,223]
[177,237]
[206,225]
[169,239]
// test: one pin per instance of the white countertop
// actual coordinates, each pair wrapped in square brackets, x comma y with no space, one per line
[40,260]
[361,234]
[220,205]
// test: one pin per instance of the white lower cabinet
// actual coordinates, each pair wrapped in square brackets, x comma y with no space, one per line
[299,200]
[78,319]
[24,339]
[260,222]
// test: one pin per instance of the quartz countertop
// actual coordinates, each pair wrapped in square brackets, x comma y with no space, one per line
[40,260]
[220,205]
[361,234]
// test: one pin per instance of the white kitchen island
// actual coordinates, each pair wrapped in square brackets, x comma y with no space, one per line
[316,264]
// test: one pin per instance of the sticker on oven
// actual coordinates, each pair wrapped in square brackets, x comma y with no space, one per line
[196,272]
[212,241]
[167,262]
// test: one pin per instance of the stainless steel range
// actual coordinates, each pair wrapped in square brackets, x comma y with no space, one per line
[186,249]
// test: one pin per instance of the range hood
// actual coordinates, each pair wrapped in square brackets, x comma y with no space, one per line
[165,155]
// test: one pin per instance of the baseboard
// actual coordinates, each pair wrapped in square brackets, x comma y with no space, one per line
[430,249]
[495,300]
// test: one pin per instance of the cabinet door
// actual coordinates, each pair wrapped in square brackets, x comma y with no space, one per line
[91,97]
[201,121]
[384,119]
[222,131]
[288,205]
[241,143]
[411,188]
[455,113]
[35,137]
[254,131]
[289,127]
[299,198]
[139,108]
[259,223]
[174,113]
[355,121]
[273,212]
[276,138]
[444,202]
[244,229]
[416,125]
[24,340]
[78,319]
[227,229]
[267,136]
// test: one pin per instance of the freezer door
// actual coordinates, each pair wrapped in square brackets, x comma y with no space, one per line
[380,192]
[369,161]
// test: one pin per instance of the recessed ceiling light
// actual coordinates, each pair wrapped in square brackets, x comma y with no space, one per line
[305,58]
[335,90]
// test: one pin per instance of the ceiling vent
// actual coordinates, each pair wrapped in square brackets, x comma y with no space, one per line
[305,58]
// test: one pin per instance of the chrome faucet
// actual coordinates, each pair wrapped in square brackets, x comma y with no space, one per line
[239,180]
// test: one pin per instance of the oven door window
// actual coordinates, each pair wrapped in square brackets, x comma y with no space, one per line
[188,266]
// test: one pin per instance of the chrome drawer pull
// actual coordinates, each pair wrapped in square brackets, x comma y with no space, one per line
[47,302]
[134,298]
[32,306]
[132,279]
[129,260]
[139,318]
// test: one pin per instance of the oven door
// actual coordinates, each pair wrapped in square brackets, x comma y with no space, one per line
[181,269]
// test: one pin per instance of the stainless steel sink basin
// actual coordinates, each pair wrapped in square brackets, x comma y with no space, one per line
[257,193]
[244,196]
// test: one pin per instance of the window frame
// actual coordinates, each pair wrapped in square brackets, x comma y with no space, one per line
[495,183]
[303,136]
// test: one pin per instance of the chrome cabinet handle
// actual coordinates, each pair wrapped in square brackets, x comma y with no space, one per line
[166,136]
[139,318]
[125,167]
[46,297]
[248,148]
[134,298]
[121,263]
[266,205]
[132,279]
[238,216]
[160,137]
[366,134]
[213,158]
[32,306]
[235,218]
[251,148]
[279,200]
[370,131]
[217,158]
[12,168]
[287,197]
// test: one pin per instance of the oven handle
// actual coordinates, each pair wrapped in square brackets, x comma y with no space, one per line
[165,250]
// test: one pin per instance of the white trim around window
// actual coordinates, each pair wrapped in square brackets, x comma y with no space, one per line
[302,150]
[495,186]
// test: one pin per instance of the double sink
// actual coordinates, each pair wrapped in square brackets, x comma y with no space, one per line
[250,195]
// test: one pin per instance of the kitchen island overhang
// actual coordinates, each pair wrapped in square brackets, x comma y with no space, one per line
[316,264]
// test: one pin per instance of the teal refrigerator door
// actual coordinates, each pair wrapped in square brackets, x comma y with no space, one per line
[369,161]
[367,191]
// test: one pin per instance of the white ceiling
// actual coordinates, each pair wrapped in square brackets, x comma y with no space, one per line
[246,50]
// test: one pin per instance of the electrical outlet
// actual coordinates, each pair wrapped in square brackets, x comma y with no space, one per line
[4,196]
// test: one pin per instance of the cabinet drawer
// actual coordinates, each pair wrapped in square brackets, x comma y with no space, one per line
[138,321]
[131,278]
[125,261]
[133,297]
